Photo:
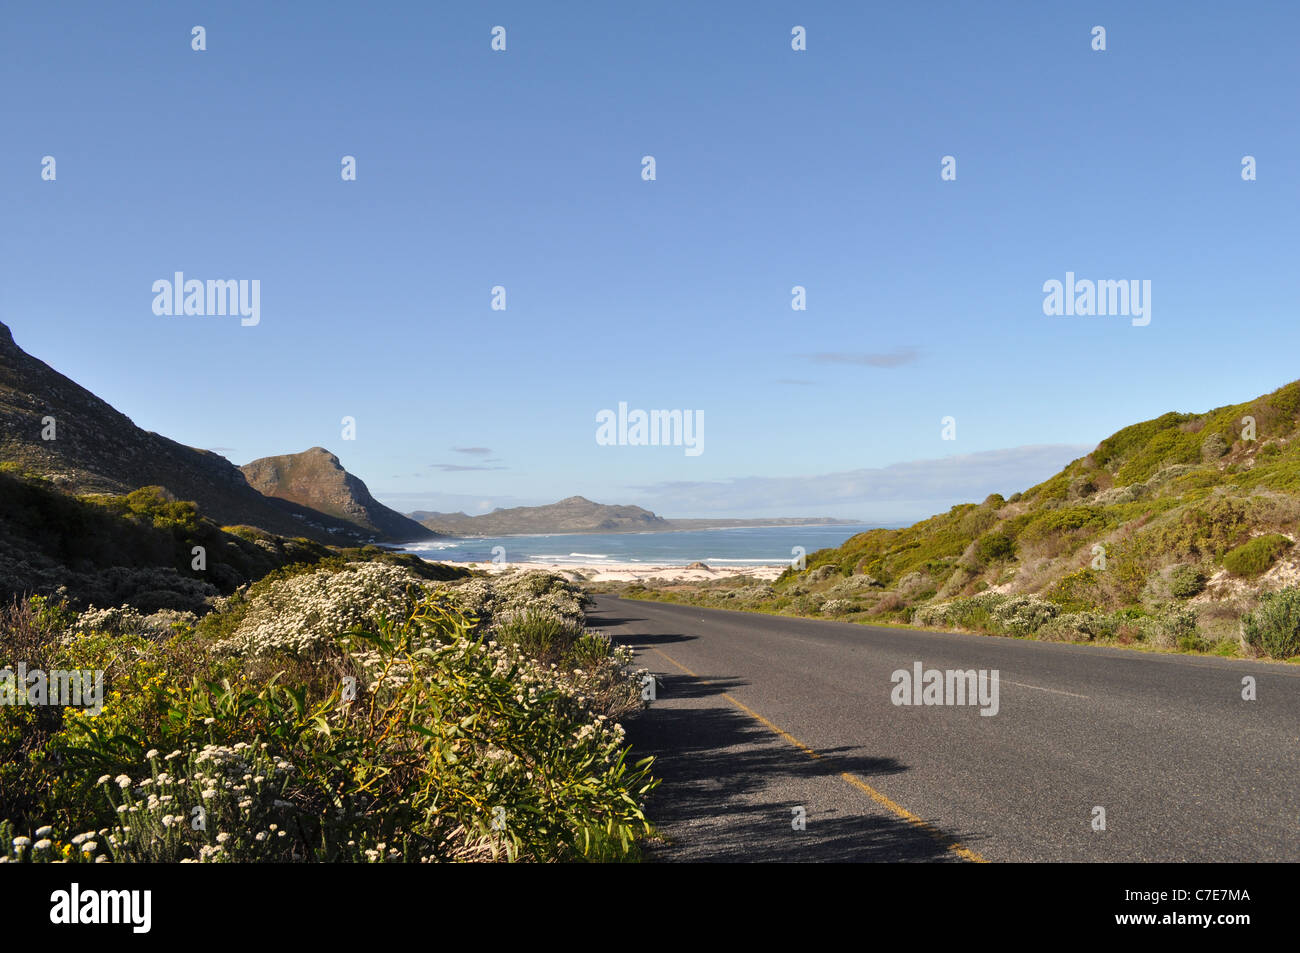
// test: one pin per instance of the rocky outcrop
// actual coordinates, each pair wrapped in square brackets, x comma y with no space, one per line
[53,427]
[315,478]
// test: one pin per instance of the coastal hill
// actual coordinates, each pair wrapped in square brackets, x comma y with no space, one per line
[1166,533]
[577,514]
[316,479]
[54,429]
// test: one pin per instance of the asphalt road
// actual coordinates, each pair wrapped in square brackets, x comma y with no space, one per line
[756,716]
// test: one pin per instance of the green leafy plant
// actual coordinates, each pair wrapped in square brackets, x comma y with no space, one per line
[1273,628]
[1256,556]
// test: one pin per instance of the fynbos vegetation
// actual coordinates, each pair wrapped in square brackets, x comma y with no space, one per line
[1173,533]
[355,711]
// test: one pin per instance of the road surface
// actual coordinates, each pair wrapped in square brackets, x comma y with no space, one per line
[763,722]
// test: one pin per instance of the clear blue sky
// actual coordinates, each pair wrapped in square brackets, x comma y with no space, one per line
[775,168]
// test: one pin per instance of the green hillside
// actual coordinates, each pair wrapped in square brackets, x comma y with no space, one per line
[1166,534]
[139,549]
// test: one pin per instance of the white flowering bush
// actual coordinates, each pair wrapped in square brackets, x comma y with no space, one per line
[1024,615]
[215,803]
[46,846]
[837,606]
[355,719]
[502,598]
[749,594]
[305,613]
[972,612]
[125,620]
[1080,626]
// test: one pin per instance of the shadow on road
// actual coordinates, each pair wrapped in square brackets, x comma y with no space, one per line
[729,786]
[641,641]
[687,686]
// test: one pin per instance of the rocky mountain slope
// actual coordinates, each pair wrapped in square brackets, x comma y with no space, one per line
[316,479]
[55,429]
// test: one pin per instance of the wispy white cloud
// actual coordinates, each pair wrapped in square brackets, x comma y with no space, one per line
[904,355]
[900,491]
[460,467]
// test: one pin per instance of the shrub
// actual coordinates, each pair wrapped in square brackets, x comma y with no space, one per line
[972,612]
[995,547]
[446,747]
[501,598]
[1078,592]
[1254,557]
[1186,581]
[1175,627]
[1273,628]
[1024,615]
[1077,626]
[1213,447]
[307,612]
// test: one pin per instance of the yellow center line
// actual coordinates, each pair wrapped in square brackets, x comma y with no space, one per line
[965,853]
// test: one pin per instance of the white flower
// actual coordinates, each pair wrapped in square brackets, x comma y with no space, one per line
[123,781]
[45,831]
[151,754]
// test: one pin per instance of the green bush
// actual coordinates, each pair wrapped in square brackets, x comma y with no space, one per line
[1274,627]
[1080,591]
[408,736]
[1186,581]
[1255,556]
[995,547]
[1173,627]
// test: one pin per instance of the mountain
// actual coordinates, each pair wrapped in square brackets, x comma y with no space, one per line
[576,514]
[1166,533]
[316,479]
[53,428]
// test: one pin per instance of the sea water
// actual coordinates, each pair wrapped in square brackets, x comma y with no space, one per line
[737,546]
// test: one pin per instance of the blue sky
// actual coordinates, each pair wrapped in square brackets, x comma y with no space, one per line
[775,168]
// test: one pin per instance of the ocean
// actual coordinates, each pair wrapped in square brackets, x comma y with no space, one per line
[740,546]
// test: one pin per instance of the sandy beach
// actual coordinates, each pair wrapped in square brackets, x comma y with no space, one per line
[637,572]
